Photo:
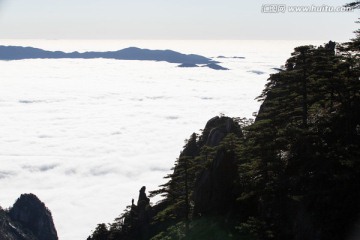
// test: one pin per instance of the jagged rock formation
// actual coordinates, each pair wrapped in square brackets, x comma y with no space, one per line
[134,223]
[33,215]
[214,191]
[143,213]
[217,128]
[293,173]
[28,219]
[10,230]
[212,194]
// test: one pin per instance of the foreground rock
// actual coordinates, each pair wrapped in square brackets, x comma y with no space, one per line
[28,219]
[215,188]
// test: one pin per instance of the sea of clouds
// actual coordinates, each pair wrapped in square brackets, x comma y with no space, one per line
[86,135]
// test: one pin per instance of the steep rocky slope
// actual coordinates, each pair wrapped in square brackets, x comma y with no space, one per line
[28,219]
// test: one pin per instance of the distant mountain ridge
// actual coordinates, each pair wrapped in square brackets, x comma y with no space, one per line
[131,53]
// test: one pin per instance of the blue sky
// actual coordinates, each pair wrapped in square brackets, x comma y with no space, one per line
[170,19]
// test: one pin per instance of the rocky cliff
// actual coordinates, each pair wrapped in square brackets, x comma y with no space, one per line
[28,219]
[202,182]
[214,191]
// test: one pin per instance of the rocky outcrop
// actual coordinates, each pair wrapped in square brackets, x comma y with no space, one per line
[144,213]
[28,219]
[143,200]
[217,128]
[33,215]
[137,221]
[205,174]
[214,191]
[10,230]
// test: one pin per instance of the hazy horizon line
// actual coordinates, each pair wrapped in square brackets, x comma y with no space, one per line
[165,39]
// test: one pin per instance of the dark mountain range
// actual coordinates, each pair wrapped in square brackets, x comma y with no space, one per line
[131,53]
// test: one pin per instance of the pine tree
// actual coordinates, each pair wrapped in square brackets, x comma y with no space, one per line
[101,233]
[177,191]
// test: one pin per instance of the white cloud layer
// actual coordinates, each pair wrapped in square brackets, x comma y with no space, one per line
[85,135]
